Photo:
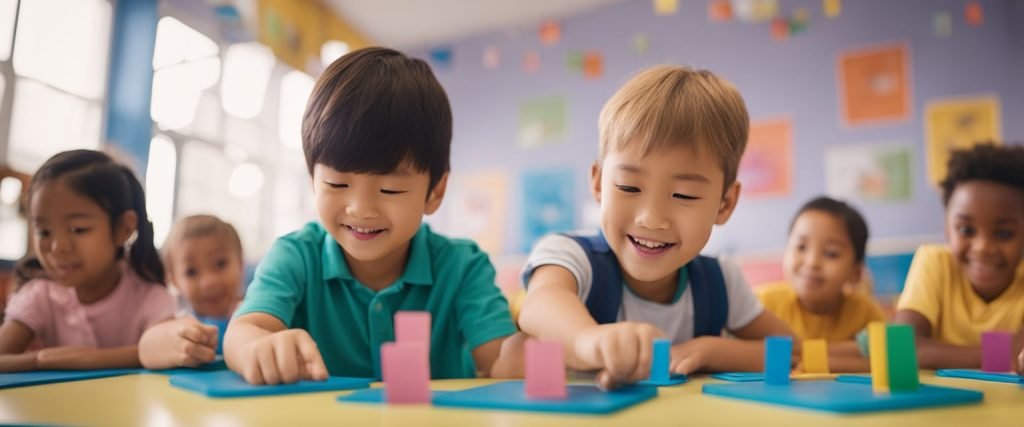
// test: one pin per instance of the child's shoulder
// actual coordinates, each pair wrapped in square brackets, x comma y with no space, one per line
[934,251]
[450,248]
[313,233]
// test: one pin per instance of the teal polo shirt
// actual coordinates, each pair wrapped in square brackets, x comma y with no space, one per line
[305,282]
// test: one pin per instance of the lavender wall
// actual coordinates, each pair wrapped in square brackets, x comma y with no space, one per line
[794,78]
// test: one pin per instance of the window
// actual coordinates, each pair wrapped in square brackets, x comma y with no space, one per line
[186,63]
[34,138]
[295,90]
[160,186]
[8,10]
[247,69]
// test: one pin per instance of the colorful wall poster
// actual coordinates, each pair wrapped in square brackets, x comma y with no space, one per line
[767,166]
[958,123]
[542,121]
[476,204]
[874,84]
[869,171]
[548,204]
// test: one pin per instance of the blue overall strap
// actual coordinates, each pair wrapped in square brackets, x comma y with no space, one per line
[605,296]
[710,300]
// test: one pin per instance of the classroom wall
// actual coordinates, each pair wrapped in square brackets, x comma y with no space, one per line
[794,78]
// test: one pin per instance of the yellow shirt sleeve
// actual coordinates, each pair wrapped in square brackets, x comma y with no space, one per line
[923,289]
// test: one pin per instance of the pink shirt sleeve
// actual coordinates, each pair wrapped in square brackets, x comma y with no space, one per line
[157,305]
[31,306]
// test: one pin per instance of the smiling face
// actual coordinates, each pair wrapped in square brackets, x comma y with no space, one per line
[657,210]
[73,237]
[208,272]
[373,217]
[985,228]
[820,259]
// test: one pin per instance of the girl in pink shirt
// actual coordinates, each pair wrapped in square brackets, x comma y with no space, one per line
[95,282]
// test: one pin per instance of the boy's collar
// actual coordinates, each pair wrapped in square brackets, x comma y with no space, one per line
[418,269]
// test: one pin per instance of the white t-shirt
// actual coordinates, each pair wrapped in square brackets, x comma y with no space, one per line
[675,318]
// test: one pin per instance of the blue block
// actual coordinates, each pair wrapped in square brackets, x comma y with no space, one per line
[24,379]
[376,395]
[659,361]
[843,397]
[230,384]
[739,377]
[581,399]
[778,353]
[975,374]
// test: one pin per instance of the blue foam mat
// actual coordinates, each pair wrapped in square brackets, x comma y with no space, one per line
[977,374]
[376,395]
[230,384]
[582,399]
[739,377]
[218,365]
[672,380]
[842,397]
[24,379]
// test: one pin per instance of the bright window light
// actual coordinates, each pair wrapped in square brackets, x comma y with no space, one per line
[46,121]
[178,43]
[332,50]
[247,69]
[178,89]
[246,180]
[64,43]
[295,90]
[8,10]
[10,190]
[160,186]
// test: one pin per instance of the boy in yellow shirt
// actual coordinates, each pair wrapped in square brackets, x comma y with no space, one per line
[976,284]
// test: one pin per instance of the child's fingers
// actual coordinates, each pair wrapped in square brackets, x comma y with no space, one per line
[687,365]
[210,332]
[192,332]
[313,362]
[288,363]
[268,365]
[202,353]
[619,356]
[643,360]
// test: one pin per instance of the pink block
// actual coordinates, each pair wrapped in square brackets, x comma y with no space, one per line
[995,351]
[412,327]
[406,372]
[545,370]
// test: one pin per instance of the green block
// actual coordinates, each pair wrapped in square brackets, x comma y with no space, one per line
[902,358]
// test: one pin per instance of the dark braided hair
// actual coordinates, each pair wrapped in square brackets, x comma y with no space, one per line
[116,190]
[985,162]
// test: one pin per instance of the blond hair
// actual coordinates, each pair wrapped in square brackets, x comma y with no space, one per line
[670,106]
[196,226]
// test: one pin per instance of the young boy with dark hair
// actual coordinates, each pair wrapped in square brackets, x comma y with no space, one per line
[376,135]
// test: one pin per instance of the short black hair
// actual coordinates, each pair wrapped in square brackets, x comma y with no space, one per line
[985,162]
[374,110]
[856,227]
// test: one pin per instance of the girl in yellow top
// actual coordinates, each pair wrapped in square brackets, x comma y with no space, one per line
[824,258]
[976,284]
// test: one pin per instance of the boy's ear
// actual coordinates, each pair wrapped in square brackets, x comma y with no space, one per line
[127,225]
[595,181]
[729,200]
[436,195]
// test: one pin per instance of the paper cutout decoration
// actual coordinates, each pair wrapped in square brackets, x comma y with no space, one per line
[441,57]
[641,43]
[875,84]
[766,169]
[869,171]
[492,57]
[780,29]
[719,11]
[666,7]
[799,20]
[958,123]
[832,8]
[755,10]
[542,121]
[475,208]
[942,24]
[574,61]
[593,65]
[548,204]
[531,62]
[550,33]
[974,14]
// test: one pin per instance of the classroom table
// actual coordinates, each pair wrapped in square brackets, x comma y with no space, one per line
[148,400]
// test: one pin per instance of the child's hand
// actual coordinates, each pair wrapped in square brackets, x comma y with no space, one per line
[690,356]
[1020,363]
[195,343]
[620,351]
[282,357]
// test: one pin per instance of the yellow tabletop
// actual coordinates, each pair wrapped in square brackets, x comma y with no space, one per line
[148,400]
